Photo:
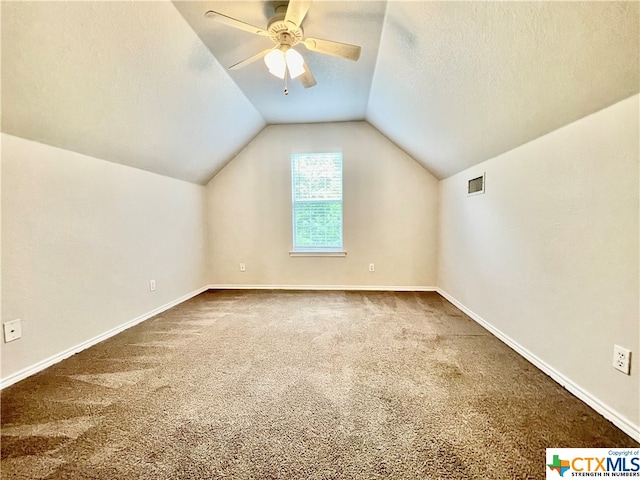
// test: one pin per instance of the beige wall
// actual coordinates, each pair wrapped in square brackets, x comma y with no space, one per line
[549,254]
[390,212]
[81,238]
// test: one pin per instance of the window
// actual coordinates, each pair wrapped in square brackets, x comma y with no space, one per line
[316,181]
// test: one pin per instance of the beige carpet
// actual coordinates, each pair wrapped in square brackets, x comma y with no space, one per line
[308,385]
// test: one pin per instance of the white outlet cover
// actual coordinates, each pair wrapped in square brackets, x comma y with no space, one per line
[12,330]
[622,359]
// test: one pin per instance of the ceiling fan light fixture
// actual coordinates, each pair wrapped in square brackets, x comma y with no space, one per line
[295,63]
[282,59]
[275,62]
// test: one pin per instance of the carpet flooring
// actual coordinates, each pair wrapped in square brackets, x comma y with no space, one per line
[300,385]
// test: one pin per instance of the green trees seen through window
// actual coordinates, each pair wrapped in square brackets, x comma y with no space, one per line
[317,201]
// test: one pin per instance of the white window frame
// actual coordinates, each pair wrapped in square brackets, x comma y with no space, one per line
[305,251]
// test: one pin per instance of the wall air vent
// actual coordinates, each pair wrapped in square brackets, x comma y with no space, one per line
[476,185]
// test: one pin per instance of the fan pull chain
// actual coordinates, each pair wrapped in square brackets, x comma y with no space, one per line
[286,74]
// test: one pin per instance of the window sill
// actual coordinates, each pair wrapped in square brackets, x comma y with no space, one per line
[317,254]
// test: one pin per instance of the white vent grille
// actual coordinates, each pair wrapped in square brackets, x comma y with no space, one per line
[476,185]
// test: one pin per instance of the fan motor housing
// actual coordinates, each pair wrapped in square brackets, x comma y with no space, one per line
[277,28]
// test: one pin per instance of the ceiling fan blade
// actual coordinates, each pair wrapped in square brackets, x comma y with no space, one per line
[344,50]
[249,60]
[306,78]
[296,11]
[232,22]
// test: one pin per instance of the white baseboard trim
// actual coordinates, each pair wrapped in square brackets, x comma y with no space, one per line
[27,372]
[616,418]
[373,288]
[620,421]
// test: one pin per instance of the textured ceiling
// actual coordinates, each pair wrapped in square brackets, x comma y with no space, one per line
[127,82]
[453,83]
[342,91]
[457,83]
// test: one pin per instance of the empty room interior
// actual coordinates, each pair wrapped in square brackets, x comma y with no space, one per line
[356,239]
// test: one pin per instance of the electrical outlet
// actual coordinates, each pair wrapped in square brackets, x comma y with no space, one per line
[372,267]
[242,267]
[152,285]
[622,359]
[12,330]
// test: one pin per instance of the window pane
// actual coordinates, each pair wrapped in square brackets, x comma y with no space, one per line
[317,201]
[318,224]
[317,176]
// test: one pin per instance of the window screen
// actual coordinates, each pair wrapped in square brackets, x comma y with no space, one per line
[317,202]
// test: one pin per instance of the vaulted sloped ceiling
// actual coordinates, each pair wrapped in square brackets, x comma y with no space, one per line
[127,82]
[457,83]
[145,84]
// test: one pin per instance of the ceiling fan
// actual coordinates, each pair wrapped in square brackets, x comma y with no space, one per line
[285,30]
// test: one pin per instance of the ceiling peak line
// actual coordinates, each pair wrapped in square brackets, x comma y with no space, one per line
[377,61]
